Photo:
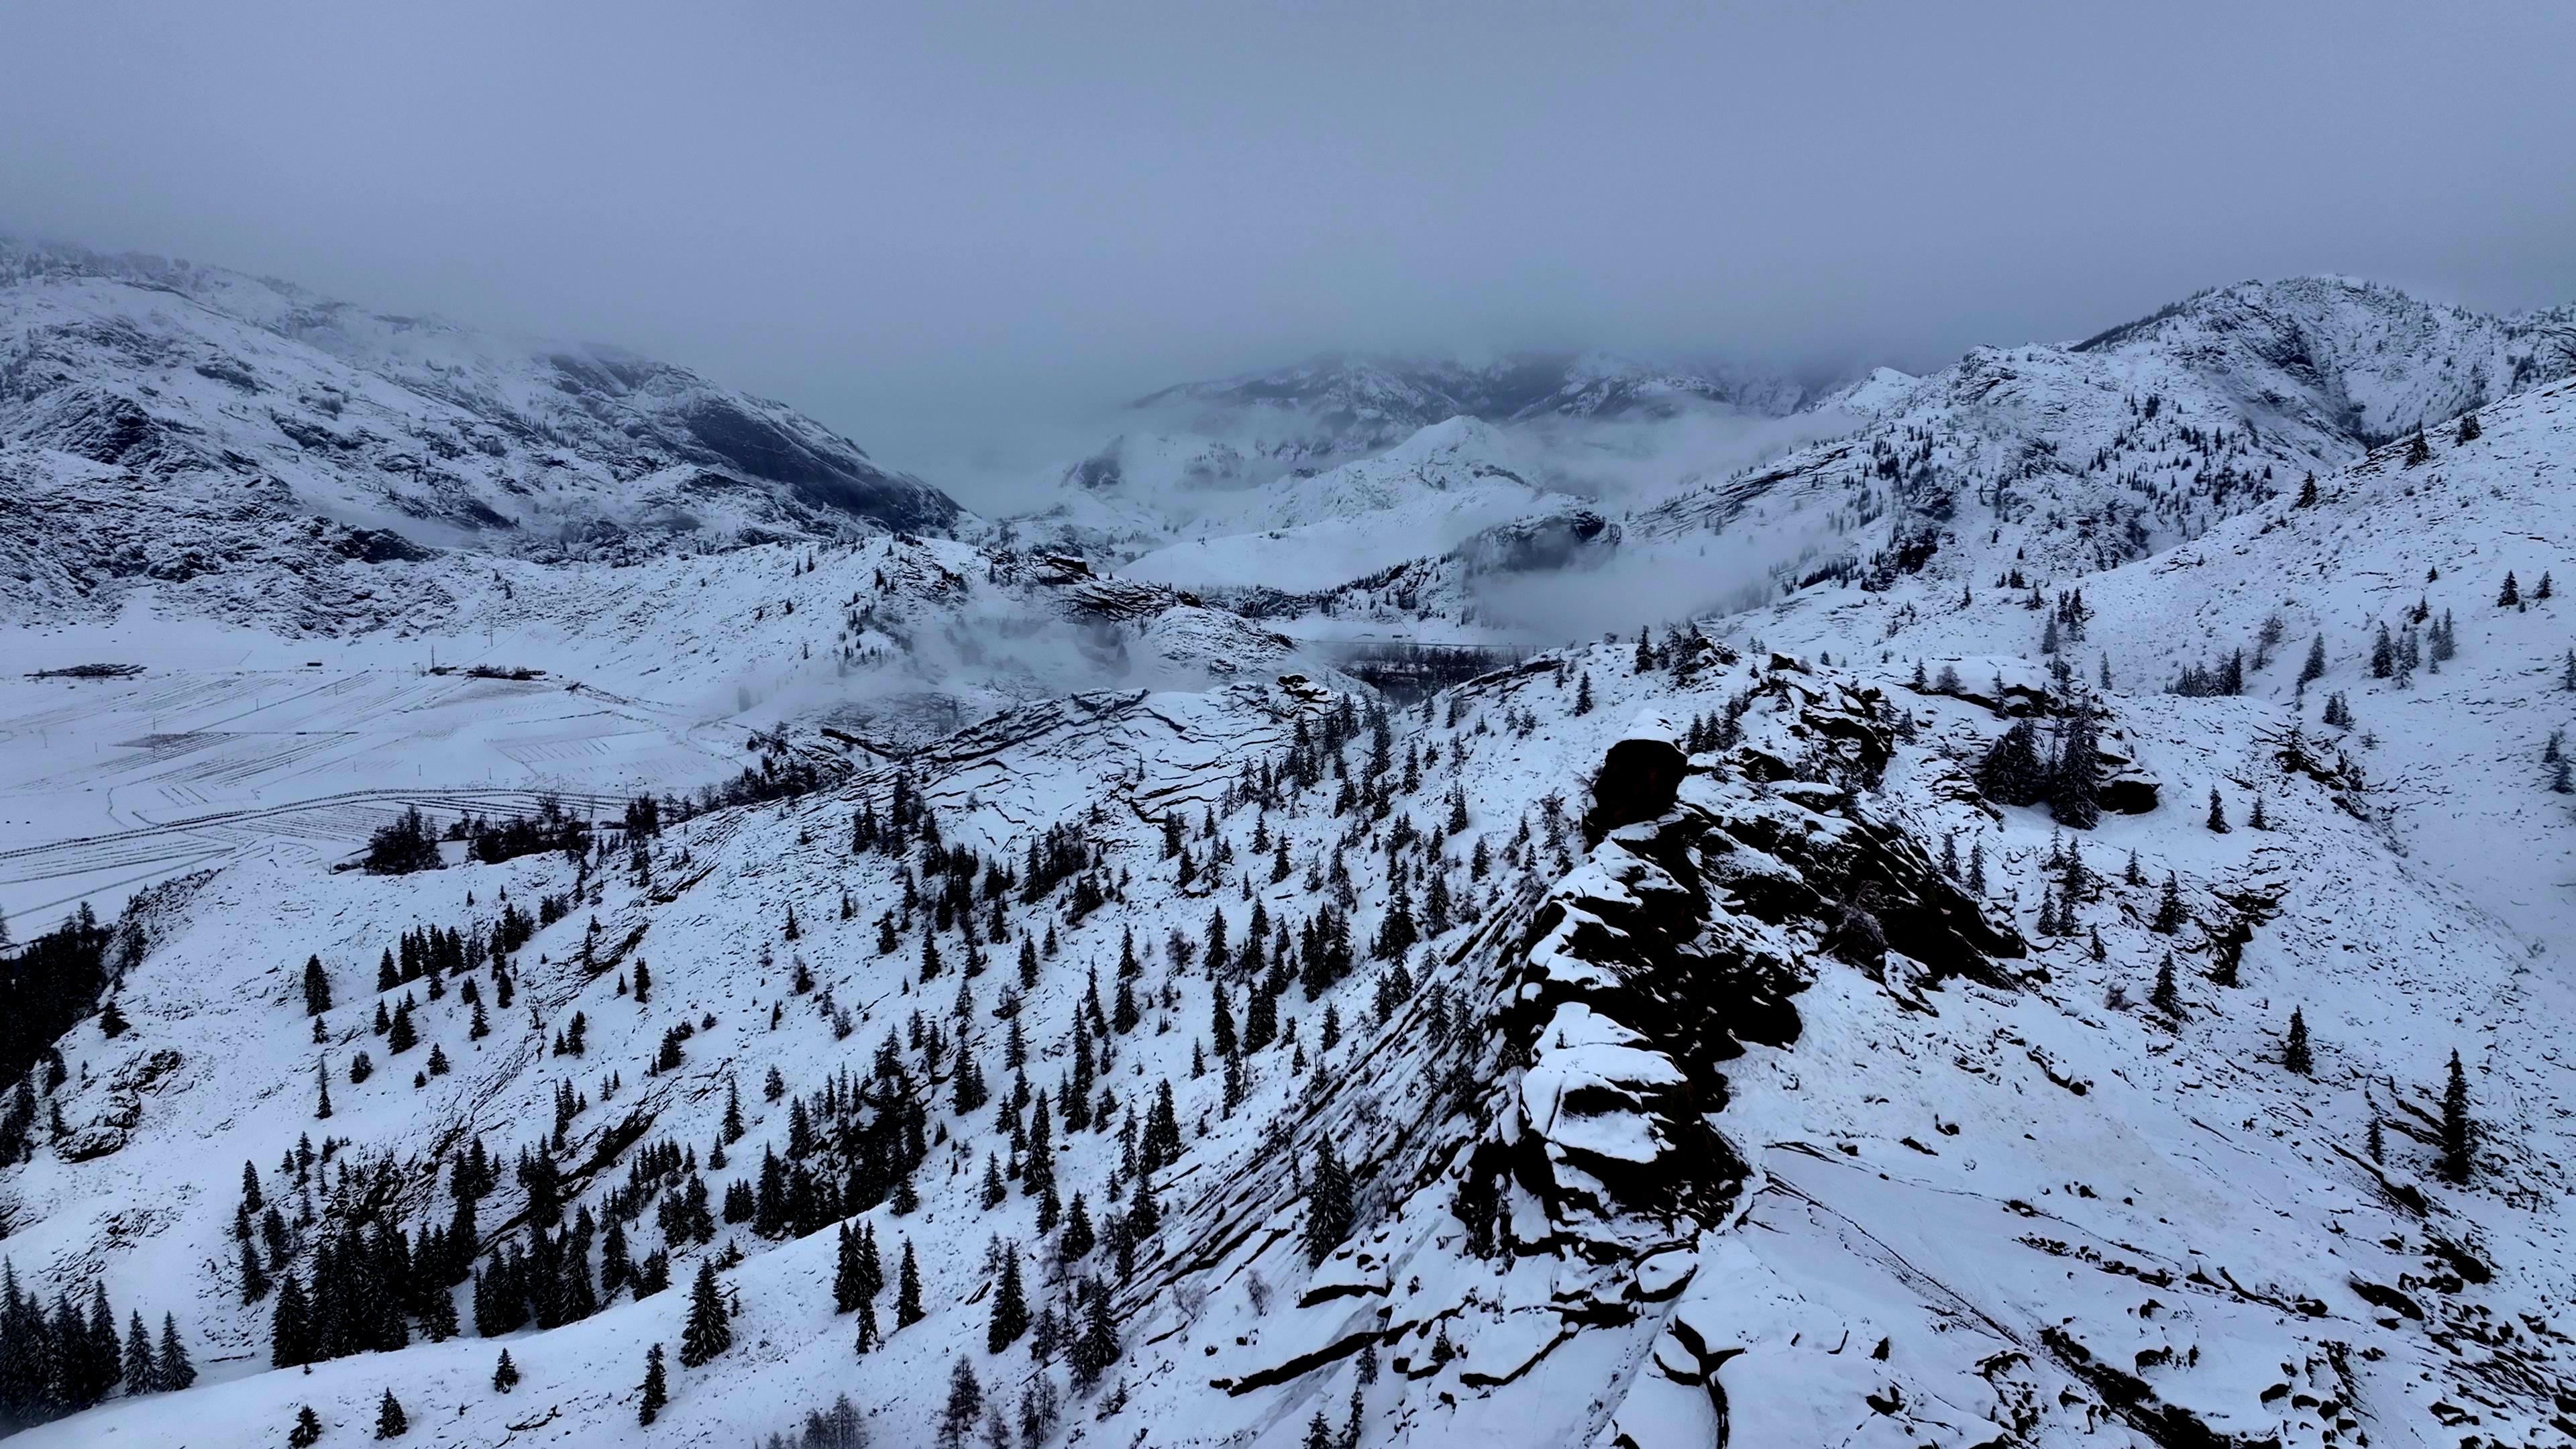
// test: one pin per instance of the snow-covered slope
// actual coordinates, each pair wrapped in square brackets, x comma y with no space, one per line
[1772,1086]
[595,682]
[1433,491]
[160,420]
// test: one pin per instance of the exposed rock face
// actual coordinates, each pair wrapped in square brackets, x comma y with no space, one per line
[1708,903]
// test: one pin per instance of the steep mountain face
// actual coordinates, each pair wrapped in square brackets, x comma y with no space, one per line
[293,428]
[1684,1041]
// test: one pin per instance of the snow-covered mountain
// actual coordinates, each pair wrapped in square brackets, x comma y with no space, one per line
[1205,455]
[160,420]
[2043,458]
[1999,986]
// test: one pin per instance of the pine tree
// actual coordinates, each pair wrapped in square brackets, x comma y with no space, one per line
[2457,1131]
[2217,813]
[1329,1206]
[2165,997]
[1078,1238]
[390,1423]
[2168,918]
[2315,667]
[2510,596]
[708,1332]
[307,1431]
[847,1294]
[2074,783]
[111,1020]
[142,1373]
[907,1290]
[2294,1048]
[656,1393]
[1583,694]
[176,1370]
[965,1405]
[1010,1307]
[2012,773]
[254,1279]
[317,987]
[1095,1348]
[290,1327]
[505,1374]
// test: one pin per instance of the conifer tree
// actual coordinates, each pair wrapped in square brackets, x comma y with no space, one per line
[390,1423]
[907,1291]
[254,1278]
[2165,997]
[2217,813]
[317,987]
[307,1431]
[290,1327]
[656,1392]
[1010,1306]
[846,1294]
[2294,1048]
[2168,916]
[965,1405]
[708,1331]
[1095,1348]
[505,1374]
[1329,1206]
[1078,1238]
[142,1373]
[2075,780]
[2457,1131]
[2012,773]
[176,1370]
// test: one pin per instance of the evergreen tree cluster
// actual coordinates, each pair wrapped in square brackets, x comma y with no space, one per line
[46,984]
[63,1360]
[2067,774]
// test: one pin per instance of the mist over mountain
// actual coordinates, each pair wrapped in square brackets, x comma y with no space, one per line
[1320,728]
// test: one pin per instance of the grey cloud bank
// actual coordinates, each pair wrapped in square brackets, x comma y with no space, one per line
[958,234]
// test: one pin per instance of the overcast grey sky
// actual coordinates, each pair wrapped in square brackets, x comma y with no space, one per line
[904,218]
